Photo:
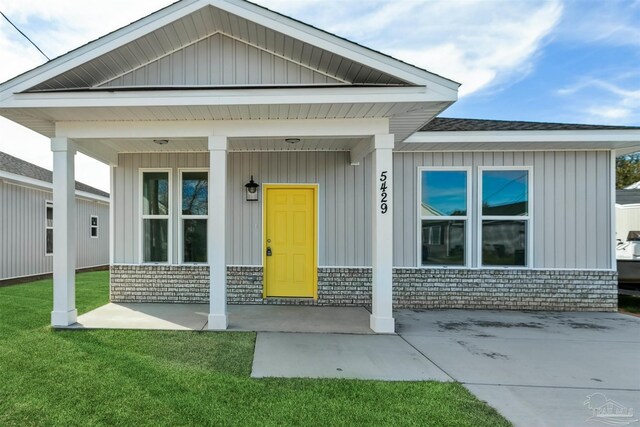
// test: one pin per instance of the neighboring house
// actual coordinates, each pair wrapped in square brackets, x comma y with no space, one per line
[365,197]
[26,222]
[627,211]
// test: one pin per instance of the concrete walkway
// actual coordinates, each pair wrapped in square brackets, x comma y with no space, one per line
[537,368]
[373,357]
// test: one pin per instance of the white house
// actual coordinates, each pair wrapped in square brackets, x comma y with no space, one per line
[365,197]
[26,222]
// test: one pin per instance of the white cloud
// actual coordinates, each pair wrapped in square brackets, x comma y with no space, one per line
[612,22]
[477,43]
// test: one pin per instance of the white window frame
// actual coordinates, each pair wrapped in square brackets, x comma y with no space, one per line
[467,218]
[47,204]
[91,226]
[168,217]
[182,217]
[528,218]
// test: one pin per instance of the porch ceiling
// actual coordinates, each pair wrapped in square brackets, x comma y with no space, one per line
[145,145]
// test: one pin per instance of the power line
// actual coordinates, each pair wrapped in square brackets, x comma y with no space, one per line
[25,36]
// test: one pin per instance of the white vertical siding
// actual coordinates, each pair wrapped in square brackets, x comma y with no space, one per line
[220,60]
[344,216]
[571,212]
[570,215]
[22,232]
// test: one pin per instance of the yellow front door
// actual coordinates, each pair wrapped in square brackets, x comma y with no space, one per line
[290,241]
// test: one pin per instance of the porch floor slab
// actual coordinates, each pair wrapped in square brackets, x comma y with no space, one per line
[367,357]
[261,318]
[175,317]
[283,318]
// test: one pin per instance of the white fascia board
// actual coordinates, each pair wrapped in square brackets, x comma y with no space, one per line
[558,136]
[231,128]
[164,98]
[44,185]
[99,47]
[334,44]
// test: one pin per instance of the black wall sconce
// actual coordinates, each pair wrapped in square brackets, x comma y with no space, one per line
[252,190]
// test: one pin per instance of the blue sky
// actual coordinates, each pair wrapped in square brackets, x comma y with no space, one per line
[556,60]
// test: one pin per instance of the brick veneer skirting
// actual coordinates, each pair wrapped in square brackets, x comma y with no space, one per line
[589,290]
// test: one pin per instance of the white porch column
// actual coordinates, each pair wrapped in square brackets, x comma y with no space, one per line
[382,240]
[64,233]
[216,237]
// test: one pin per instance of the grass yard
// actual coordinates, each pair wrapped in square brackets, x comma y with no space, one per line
[135,378]
[629,303]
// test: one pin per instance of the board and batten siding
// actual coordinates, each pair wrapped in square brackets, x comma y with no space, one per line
[220,60]
[344,194]
[23,233]
[571,203]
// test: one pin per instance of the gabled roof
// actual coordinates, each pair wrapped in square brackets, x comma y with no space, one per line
[261,64]
[20,167]
[446,124]
[189,21]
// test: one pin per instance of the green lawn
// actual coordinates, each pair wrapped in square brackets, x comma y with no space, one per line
[629,303]
[157,378]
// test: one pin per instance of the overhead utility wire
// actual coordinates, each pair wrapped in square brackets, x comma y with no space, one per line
[25,36]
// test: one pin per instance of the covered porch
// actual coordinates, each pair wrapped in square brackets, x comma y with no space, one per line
[196,83]
[353,142]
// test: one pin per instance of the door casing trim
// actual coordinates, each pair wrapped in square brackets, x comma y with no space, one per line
[316,210]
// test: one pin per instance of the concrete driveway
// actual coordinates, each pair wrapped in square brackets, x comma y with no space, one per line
[535,368]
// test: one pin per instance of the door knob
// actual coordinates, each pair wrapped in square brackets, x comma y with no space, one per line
[269,251]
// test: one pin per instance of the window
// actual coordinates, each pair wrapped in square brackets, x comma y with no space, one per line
[444,205]
[48,227]
[504,216]
[156,196]
[194,215]
[94,227]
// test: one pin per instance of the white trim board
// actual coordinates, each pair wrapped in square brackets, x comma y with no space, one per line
[600,135]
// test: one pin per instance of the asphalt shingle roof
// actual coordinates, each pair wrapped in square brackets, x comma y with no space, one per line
[445,124]
[20,167]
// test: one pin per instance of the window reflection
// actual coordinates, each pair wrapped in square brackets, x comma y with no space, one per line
[155,193]
[195,193]
[444,193]
[504,242]
[443,242]
[505,193]
[195,240]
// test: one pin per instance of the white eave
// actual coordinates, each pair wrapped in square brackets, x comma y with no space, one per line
[622,140]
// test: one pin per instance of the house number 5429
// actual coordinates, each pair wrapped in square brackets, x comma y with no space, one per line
[383,192]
